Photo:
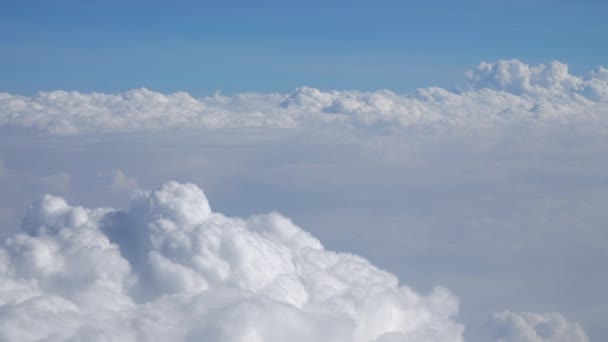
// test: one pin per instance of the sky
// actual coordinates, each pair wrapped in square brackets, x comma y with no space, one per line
[358,172]
[236,46]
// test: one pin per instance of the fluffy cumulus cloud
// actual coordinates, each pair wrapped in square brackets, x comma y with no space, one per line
[507,91]
[533,327]
[171,268]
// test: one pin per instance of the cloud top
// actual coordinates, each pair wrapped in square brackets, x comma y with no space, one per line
[534,327]
[169,267]
[518,78]
[507,91]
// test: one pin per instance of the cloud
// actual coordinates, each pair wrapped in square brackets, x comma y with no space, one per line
[476,189]
[534,327]
[504,92]
[169,267]
[118,181]
[518,78]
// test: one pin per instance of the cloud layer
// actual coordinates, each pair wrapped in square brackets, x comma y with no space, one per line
[478,212]
[504,92]
[170,268]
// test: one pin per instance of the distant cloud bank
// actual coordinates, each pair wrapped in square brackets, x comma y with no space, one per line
[504,92]
[533,327]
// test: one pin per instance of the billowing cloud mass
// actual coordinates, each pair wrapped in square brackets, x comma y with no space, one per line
[533,327]
[504,92]
[171,269]
[552,79]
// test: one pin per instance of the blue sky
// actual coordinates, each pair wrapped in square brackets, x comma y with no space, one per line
[236,46]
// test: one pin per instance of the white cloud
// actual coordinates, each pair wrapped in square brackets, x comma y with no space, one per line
[119,181]
[507,91]
[172,268]
[518,78]
[535,327]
